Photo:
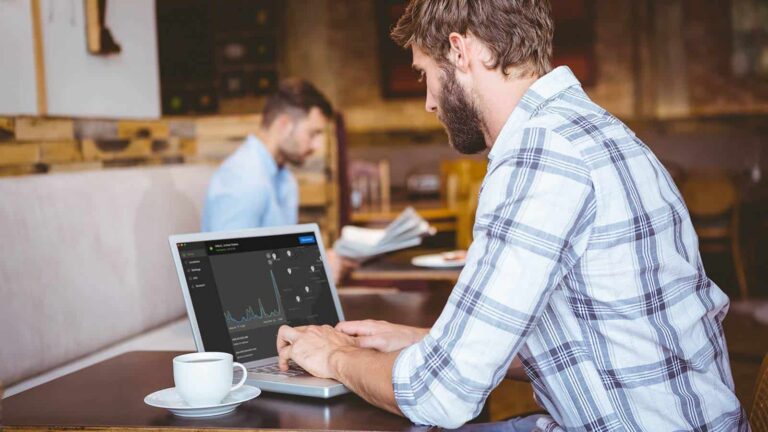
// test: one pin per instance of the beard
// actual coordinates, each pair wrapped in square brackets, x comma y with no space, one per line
[460,117]
[295,159]
[289,150]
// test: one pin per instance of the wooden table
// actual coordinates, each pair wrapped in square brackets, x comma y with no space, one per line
[397,267]
[110,394]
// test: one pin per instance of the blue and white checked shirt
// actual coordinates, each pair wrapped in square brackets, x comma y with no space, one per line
[249,190]
[586,265]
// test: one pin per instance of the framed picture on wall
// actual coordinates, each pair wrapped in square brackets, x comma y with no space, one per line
[398,79]
[574,41]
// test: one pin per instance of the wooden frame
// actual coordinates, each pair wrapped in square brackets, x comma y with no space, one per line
[98,37]
[37,32]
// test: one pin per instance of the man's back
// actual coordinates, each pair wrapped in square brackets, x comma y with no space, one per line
[636,323]
[585,263]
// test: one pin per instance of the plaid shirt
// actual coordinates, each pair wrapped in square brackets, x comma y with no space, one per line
[586,265]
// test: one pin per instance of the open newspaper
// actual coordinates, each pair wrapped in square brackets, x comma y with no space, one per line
[362,244]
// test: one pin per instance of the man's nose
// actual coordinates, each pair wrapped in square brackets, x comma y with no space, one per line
[431,103]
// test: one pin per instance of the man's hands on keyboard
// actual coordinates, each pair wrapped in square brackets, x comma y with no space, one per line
[312,347]
[274,369]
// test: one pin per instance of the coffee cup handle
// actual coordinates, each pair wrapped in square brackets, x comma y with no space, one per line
[242,380]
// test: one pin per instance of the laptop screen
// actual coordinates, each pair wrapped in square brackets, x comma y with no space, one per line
[244,289]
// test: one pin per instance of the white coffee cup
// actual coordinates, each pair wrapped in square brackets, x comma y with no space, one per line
[205,378]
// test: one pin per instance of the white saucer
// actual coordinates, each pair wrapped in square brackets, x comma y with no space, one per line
[172,401]
[436,261]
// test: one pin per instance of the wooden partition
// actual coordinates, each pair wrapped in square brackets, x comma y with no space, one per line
[40,145]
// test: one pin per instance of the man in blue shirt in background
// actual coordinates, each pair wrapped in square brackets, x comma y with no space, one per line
[253,188]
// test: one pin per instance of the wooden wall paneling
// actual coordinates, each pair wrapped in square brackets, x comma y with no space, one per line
[19,154]
[142,129]
[229,126]
[43,129]
[215,149]
[55,152]
[108,150]
[6,128]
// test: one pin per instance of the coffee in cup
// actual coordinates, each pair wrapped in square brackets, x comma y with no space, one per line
[205,378]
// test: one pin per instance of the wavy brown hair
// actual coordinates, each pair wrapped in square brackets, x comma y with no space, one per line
[518,33]
[294,95]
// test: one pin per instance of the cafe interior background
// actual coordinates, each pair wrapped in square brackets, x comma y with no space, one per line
[107,144]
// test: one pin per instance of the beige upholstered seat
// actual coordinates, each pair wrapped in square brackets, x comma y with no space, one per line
[85,261]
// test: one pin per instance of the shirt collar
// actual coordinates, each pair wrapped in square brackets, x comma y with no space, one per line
[539,93]
[265,158]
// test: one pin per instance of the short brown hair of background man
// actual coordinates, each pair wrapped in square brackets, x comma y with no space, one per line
[584,266]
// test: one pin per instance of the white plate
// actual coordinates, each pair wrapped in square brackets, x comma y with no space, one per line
[436,261]
[171,400]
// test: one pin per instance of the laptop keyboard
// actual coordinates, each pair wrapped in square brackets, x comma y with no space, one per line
[273,369]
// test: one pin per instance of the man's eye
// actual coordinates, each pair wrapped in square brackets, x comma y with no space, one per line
[422,76]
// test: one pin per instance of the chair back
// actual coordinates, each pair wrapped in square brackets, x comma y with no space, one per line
[461,185]
[458,177]
[709,194]
[758,415]
[370,185]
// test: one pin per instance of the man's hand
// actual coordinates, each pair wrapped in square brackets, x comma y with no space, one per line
[382,335]
[341,267]
[311,347]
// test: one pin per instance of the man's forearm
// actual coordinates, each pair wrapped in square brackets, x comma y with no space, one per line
[369,374]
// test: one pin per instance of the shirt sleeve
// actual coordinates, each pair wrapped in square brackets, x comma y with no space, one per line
[234,209]
[534,216]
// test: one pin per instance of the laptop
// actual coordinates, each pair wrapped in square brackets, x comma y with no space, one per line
[240,287]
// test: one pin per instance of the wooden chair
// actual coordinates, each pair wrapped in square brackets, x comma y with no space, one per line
[714,204]
[460,187]
[370,185]
[758,415]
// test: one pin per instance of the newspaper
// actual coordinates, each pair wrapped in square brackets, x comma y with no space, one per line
[360,244]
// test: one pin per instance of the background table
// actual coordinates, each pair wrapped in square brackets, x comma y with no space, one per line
[397,267]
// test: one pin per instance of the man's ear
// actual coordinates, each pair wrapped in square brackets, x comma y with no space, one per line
[283,125]
[460,51]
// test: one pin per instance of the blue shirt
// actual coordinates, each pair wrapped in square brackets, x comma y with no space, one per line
[249,190]
[585,264]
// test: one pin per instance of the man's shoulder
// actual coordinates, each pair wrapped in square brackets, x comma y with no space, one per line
[545,132]
[235,176]
[575,118]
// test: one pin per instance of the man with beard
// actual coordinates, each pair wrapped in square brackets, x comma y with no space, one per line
[253,188]
[584,274]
